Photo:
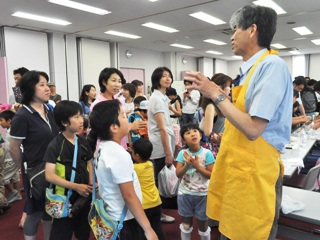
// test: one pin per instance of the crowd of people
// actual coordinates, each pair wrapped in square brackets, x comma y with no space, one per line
[225,144]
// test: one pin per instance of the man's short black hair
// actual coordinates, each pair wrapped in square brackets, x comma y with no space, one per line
[20,71]
[299,80]
[7,115]
[143,147]
[138,100]
[64,110]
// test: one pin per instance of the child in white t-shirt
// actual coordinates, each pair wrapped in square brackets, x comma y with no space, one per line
[194,167]
[117,180]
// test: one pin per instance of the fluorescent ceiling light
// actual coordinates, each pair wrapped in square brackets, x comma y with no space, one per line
[214,52]
[153,0]
[270,4]
[302,30]
[207,18]
[160,27]
[121,34]
[278,46]
[237,57]
[316,41]
[216,42]
[40,18]
[294,52]
[80,6]
[180,46]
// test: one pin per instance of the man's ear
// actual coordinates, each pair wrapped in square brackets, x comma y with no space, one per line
[253,30]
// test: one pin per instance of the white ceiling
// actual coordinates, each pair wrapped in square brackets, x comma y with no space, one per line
[128,15]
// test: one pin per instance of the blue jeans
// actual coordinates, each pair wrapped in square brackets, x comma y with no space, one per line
[187,118]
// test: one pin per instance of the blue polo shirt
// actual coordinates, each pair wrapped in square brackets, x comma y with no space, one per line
[35,132]
[269,96]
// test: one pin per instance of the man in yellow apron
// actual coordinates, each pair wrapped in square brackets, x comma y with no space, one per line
[244,193]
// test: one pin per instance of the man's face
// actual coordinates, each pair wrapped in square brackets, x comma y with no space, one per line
[240,40]
[298,88]
[17,78]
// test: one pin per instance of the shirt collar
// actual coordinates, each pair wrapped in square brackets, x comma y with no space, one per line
[162,95]
[31,109]
[248,64]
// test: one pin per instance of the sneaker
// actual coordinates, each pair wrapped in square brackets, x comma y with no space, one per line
[12,195]
[167,219]
[15,198]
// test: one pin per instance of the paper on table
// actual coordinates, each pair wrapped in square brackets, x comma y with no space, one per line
[289,205]
[293,162]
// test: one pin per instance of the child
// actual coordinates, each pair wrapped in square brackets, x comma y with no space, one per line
[151,203]
[11,170]
[128,92]
[140,114]
[194,167]
[59,158]
[118,182]
[84,130]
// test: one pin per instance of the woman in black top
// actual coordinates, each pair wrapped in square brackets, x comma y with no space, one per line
[33,127]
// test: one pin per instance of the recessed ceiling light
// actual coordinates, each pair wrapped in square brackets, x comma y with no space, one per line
[278,46]
[270,4]
[294,52]
[207,18]
[214,52]
[216,42]
[160,27]
[180,46]
[121,34]
[80,6]
[316,41]
[41,18]
[302,30]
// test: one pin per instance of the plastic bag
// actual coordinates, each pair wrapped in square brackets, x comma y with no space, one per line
[289,205]
[168,182]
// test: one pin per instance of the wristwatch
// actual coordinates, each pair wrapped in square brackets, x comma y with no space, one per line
[219,98]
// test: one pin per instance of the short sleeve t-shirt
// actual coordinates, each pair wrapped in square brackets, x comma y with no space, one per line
[150,193]
[60,150]
[35,132]
[193,182]
[114,167]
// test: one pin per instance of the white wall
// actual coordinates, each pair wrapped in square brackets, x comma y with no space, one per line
[234,68]
[221,66]
[206,66]
[144,59]
[288,60]
[94,56]
[25,49]
[314,71]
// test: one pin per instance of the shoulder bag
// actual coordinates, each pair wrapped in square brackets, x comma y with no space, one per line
[58,206]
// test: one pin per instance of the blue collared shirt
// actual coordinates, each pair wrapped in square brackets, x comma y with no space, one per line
[269,96]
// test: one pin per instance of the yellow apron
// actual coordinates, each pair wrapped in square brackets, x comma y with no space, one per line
[241,193]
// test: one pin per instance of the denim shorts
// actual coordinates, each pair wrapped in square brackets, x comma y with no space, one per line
[190,205]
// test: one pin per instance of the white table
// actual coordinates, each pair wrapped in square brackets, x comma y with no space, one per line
[301,152]
[311,214]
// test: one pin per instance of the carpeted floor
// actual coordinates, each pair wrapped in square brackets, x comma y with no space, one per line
[9,229]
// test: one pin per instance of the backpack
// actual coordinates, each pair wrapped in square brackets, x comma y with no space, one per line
[309,100]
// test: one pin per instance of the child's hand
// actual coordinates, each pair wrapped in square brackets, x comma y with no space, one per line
[187,158]
[84,189]
[195,162]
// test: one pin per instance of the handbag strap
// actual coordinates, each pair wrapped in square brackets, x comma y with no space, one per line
[74,163]
[125,208]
